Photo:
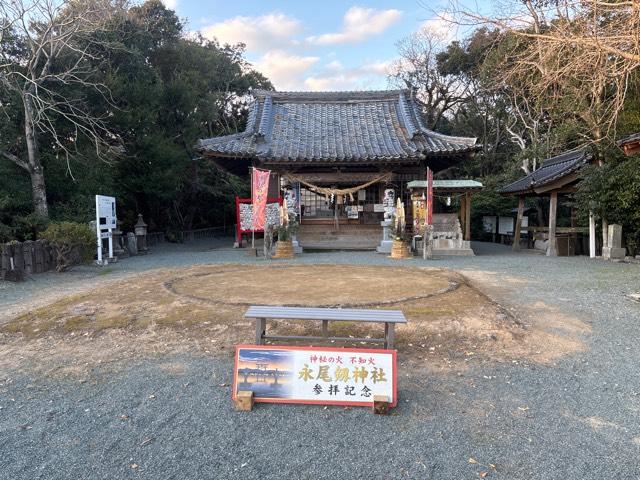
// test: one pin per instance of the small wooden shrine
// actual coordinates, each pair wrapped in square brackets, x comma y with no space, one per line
[556,176]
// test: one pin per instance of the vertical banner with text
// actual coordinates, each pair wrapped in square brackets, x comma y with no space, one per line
[429,196]
[259,192]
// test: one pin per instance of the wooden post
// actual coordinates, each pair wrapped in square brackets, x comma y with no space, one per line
[592,235]
[261,328]
[516,234]
[389,335]
[605,233]
[380,404]
[467,217]
[463,214]
[552,249]
[244,400]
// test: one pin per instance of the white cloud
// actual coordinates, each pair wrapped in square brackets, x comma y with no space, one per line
[364,77]
[359,24]
[170,4]
[264,33]
[442,27]
[284,69]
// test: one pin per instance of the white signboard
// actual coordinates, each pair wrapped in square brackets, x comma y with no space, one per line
[378,207]
[106,212]
[505,225]
[322,375]
[106,219]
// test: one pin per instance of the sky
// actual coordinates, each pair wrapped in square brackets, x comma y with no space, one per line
[316,45]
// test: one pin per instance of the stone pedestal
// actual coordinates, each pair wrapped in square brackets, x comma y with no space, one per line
[387,237]
[614,250]
[297,249]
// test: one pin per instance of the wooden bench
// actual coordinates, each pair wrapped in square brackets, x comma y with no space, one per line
[263,313]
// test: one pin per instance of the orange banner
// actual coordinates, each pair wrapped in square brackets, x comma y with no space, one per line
[259,191]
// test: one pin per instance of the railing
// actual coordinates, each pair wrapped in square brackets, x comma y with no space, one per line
[558,229]
[155,238]
[200,233]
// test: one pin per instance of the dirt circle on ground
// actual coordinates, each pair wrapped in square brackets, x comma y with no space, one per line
[312,285]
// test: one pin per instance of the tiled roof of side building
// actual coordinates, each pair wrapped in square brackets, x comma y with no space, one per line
[629,139]
[552,169]
[335,127]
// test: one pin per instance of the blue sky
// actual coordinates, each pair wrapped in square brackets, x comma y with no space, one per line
[315,45]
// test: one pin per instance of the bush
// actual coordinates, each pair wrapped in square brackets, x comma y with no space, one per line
[74,242]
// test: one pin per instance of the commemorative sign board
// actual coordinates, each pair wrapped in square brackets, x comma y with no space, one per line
[315,375]
[106,222]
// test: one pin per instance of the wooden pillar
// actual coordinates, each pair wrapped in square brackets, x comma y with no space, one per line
[605,233]
[516,233]
[592,235]
[463,214]
[552,249]
[467,217]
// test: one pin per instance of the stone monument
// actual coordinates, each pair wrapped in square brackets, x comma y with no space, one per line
[389,202]
[614,250]
[132,243]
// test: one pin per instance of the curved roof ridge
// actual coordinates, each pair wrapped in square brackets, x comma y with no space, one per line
[264,129]
[329,95]
[406,116]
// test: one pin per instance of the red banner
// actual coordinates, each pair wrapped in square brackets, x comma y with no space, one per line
[429,196]
[259,191]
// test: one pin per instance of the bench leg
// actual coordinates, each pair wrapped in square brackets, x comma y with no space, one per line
[261,329]
[325,328]
[389,335]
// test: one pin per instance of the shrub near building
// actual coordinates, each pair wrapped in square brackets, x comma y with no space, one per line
[74,243]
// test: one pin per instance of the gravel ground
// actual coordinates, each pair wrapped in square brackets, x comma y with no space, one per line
[578,418]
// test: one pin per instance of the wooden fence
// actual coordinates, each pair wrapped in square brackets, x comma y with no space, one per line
[29,257]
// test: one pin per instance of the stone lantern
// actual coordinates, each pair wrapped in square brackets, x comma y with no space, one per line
[141,235]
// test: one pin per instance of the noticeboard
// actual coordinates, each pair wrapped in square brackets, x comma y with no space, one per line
[315,375]
[105,212]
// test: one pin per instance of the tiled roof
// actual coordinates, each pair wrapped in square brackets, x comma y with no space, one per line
[335,127]
[552,169]
[447,184]
[629,139]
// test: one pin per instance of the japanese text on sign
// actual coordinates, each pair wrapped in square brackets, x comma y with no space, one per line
[315,375]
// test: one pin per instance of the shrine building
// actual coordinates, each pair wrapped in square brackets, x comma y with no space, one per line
[336,154]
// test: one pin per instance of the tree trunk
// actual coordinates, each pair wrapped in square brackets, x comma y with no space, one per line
[39,191]
[38,187]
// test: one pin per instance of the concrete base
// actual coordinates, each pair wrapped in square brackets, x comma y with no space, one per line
[613,253]
[297,249]
[453,252]
[385,246]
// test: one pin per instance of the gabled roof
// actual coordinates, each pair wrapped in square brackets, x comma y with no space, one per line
[630,144]
[629,139]
[552,170]
[335,127]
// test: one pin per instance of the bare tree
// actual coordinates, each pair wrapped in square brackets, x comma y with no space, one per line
[47,56]
[418,70]
[577,54]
